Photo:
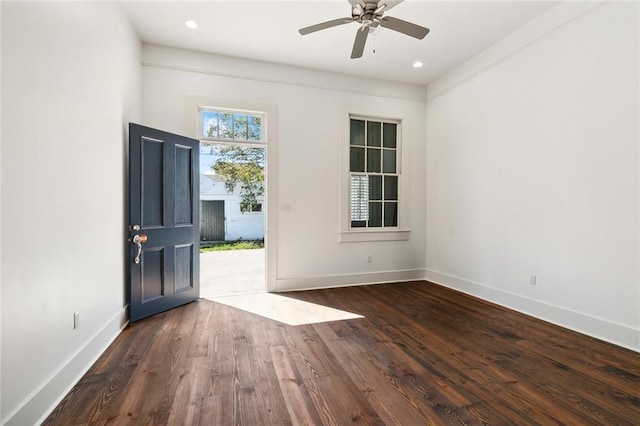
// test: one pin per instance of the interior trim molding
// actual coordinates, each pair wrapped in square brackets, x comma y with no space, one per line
[388,235]
[46,398]
[348,280]
[175,59]
[599,328]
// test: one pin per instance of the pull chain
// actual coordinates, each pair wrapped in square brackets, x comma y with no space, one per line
[374,40]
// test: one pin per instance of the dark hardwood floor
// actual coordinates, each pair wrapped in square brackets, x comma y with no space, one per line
[423,354]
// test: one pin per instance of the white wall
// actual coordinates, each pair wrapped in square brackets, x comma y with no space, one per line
[533,169]
[237,225]
[310,126]
[70,83]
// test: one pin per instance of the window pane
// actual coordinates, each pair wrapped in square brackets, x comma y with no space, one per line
[357,159]
[389,135]
[391,187]
[231,126]
[375,187]
[210,124]
[357,132]
[225,123]
[359,198]
[254,130]
[375,215]
[374,160]
[374,165]
[388,160]
[240,126]
[374,131]
[390,214]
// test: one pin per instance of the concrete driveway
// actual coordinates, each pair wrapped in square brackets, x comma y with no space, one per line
[232,272]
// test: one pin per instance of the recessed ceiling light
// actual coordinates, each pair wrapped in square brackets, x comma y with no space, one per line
[417,64]
[191,24]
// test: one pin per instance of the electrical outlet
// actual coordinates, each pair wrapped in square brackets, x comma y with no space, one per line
[532,280]
[369,258]
[76,320]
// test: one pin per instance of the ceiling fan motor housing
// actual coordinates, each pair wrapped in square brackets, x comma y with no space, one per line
[367,13]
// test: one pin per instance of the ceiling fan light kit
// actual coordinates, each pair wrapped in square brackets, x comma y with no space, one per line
[369,14]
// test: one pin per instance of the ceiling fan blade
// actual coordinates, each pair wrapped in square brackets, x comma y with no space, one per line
[360,41]
[324,25]
[404,27]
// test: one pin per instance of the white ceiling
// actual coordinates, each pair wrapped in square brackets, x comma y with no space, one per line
[268,31]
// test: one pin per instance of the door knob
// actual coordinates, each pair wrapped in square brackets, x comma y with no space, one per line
[138,240]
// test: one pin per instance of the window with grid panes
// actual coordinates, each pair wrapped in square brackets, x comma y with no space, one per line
[236,126]
[373,168]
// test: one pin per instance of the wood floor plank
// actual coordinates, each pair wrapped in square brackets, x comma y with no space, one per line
[272,404]
[310,353]
[392,404]
[422,354]
[339,402]
[296,396]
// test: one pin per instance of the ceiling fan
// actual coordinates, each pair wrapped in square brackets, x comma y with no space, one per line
[369,14]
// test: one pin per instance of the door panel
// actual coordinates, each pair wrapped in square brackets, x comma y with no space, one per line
[152,279]
[164,218]
[184,189]
[152,185]
[184,265]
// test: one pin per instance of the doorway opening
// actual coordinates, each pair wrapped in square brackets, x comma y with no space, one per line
[232,219]
[233,201]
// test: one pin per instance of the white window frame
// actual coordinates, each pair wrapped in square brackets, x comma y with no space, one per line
[355,234]
[263,126]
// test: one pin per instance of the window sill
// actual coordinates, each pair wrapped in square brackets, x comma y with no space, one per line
[364,236]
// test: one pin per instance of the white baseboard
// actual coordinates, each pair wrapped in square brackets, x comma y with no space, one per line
[36,409]
[618,334]
[347,280]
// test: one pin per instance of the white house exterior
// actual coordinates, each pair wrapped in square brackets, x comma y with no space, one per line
[237,225]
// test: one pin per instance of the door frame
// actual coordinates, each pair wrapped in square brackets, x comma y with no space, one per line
[191,120]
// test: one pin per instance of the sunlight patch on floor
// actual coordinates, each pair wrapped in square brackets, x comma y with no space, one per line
[284,309]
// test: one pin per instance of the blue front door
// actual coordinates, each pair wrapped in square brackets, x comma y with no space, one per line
[164,221]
